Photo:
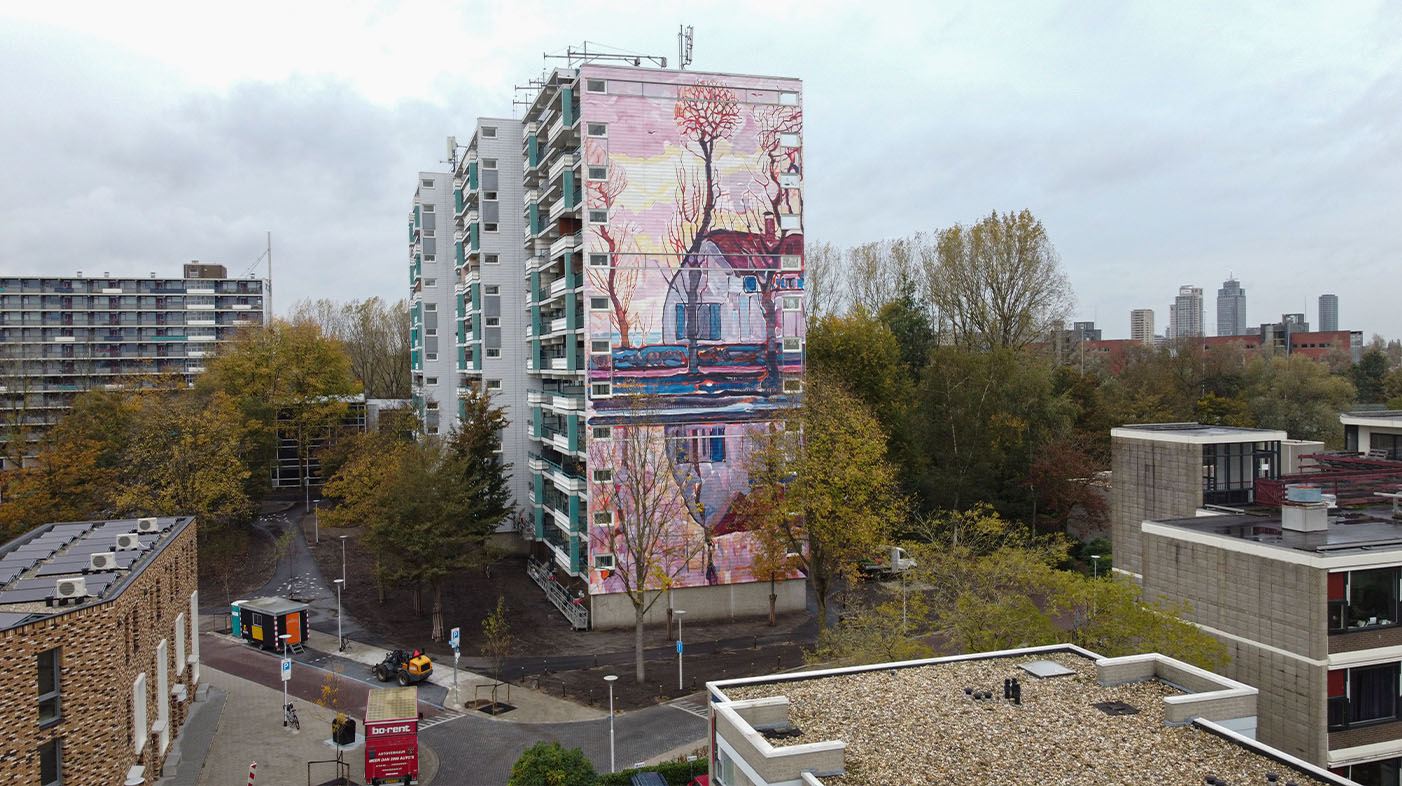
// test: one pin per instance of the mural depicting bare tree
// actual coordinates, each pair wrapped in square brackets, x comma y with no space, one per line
[620,279]
[705,114]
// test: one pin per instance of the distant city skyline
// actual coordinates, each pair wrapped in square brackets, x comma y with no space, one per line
[1326,309]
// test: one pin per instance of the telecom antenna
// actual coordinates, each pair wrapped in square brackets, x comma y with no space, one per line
[684,36]
[452,160]
[575,57]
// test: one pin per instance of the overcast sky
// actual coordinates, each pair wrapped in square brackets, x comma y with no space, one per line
[1161,143]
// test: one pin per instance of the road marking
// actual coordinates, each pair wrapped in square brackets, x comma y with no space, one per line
[449,715]
[691,706]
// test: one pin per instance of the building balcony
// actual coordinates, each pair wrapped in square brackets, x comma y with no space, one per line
[567,160]
[566,244]
[536,398]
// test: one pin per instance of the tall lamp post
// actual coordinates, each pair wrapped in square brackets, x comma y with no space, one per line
[679,613]
[610,680]
[343,557]
[1095,566]
[340,639]
[316,521]
[285,673]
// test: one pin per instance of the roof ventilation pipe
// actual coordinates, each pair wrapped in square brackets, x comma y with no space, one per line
[1304,509]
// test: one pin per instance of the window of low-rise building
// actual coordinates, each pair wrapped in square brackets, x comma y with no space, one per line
[50,705]
[1361,599]
[51,763]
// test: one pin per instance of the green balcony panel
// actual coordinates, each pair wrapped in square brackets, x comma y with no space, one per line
[571,196]
[567,106]
[535,293]
[533,150]
[418,219]
[472,235]
[572,429]
[472,176]
[535,320]
[458,249]
[474,291]
[411,233]
[535,218]
[539,514]
[535,353]
[536,426]
[457,199]
[578,555]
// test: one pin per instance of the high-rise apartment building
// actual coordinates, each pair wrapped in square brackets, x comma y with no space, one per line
[1141,325]
[657,256]
[60,336]
[1185,315]
[490,282]
[432,358]
[1328,313]
[1231,309]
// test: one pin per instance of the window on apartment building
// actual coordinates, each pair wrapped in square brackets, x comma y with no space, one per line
[790,262]
[426,183]
[1362,599]
[789,180]
[428,233]
[792,343]
[603,562]
[428,209]
[596,86]
[792,302]
[709,315]
[1372,693]
[725,774]
[50,707]
[600,390]
[51,763]
[430,282]
[494,353]
[493,321]
[489,227]
[603,476]
[793,385]
[598,173]
[598,216]
[788,140]
[598,303]
[433,380]
[492,289]
[431,406]
[431,356]
[489,196]
[602,432]
[430,258]
[491,259]
[603,518]
[700,445]
[788,99]
[598,260]
[599,345]
[430,307]
[598,129]
[1384,772]
[789,221]
[489,163]
[493,384]
[489,131]
[431,331]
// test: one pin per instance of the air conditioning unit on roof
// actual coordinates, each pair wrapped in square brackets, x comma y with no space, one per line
[148,525]
[71,588]
[128,540]
[104,560]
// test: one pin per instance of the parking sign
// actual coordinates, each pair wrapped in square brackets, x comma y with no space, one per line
[453,637]
[286,670]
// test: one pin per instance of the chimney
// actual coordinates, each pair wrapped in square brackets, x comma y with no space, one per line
[1304,509]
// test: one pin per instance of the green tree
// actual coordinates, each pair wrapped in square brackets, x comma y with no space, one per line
[1368,374]
[430,512]
[999,282]
[375,336]
[908,320]
[496,636]
[1298,395]
[767,511]
[551,764]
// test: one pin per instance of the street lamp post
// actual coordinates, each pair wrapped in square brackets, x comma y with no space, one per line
[316,521]
[343,557]
[340,639]
[679,613]
[610,680]
[1095,566]
[286,668]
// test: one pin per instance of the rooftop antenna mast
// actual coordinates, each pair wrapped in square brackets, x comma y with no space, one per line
[684,37]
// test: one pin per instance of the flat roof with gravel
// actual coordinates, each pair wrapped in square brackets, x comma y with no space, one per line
[920,724]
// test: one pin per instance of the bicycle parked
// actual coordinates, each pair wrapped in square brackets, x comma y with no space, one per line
[289,717]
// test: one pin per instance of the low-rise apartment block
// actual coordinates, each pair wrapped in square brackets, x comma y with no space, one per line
[1030,716]
[99,649]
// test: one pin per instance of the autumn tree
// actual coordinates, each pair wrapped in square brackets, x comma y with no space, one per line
[496,636]
[998,283]
[1297,394]
[646,529]
[767,509]
[62,482]
[706,113]
[292,379]
[827,477]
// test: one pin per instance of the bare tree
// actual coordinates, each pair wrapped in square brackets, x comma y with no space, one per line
[620,279]
[999,282]
[823,280]
[644,520]
[375,335]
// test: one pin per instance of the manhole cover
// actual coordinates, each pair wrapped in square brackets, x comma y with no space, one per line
[495,707]
[1116,708]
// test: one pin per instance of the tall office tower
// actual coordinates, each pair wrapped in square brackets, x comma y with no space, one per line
[664,256]
[1328,313]
[1231,309]
[61,336]
[490,287]
[431,359]
[1141,325]
[1185,318]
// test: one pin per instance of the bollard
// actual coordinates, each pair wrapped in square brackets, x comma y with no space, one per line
[596,660]
[777,660]
[659,690]
[252,772]
[755,644]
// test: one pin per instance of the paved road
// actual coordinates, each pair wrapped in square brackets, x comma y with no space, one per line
[476,750]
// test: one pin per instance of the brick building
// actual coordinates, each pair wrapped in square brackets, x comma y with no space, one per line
[99,649]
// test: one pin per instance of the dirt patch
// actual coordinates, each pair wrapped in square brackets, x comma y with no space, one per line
[256,561]
[545,650]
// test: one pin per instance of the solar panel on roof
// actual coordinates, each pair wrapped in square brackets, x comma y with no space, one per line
[26,595]
[59,569]
[96,582]
[9,619]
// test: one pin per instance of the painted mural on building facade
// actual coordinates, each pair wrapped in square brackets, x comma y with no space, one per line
[696,278]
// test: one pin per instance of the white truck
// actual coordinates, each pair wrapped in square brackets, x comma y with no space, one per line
[892,561]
